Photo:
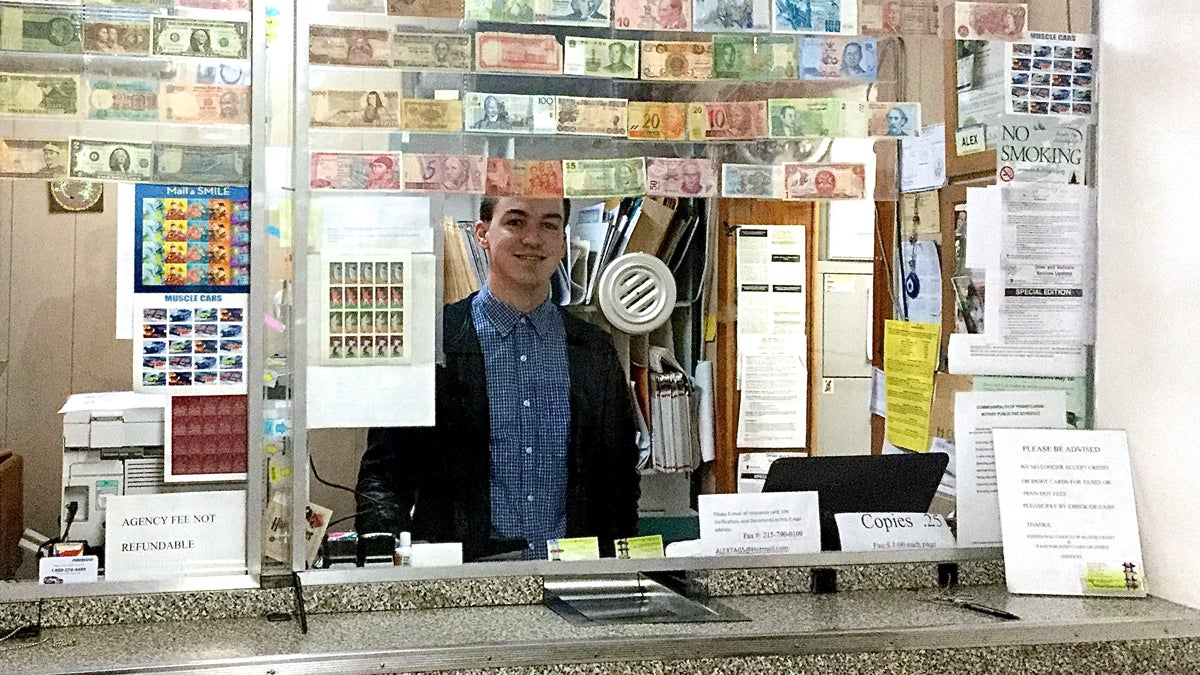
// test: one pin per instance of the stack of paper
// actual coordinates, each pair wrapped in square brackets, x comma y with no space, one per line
[673,436]
[461,276]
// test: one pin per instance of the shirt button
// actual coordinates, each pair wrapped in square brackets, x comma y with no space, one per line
[524,358]
[524,320]
[529,451]
[529,498]
[525,403]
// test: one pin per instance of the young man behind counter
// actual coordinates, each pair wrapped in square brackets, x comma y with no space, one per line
[534,437]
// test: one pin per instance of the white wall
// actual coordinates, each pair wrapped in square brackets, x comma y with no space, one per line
[1148,347]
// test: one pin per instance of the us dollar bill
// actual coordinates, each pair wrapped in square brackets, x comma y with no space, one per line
[355,171]
[111,160]
[509,113]
[805,117]
[29,158]
[344,46]
[621,177]
[657,121]
[205,104]
[652,14]
[574,12]
[600,57]
[114,98]
[116,37]
[727,120]
[431,115]
[431,172]
[354,108]
[202,164]
[46,30]
[757,181]
[676,61]
[524,178]
[434,51]
[591,116]
[823,181]
[671,177]
[39,94]
[201,37]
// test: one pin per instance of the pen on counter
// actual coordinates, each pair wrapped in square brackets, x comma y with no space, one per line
[979,607]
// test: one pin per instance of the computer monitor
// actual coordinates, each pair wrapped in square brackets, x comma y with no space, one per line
[860,483]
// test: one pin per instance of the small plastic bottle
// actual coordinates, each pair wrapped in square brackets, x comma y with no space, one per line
[404,550]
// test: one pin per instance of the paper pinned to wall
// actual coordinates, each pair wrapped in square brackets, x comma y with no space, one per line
[910,353]
[923,160]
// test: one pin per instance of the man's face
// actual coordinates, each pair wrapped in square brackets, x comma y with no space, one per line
[788,115]
[524,240]
[441,50]
[616,52]
[895,121]
[891,15]
[229,105]
[491,107]
[852,55]
[691,179]
[739,121]
[379,170]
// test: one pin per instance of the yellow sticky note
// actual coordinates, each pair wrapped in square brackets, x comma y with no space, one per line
[579,548]
[910,353]
[710,328]
[640,547]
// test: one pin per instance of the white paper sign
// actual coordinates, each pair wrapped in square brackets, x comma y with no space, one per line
[172,535]
[1068,513]
[976,413]
[74,570]
[754,466]
[759,524]
[893,531]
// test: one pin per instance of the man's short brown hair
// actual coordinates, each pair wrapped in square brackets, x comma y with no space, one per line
[487,208]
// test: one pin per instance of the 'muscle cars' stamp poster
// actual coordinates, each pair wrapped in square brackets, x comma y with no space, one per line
[190,343]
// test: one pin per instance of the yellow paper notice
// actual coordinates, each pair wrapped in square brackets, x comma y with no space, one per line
[650,546]
[910,352]
[579,548]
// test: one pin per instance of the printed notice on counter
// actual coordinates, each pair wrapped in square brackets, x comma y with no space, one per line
[893,531]
[759,524]
[1067,513]
[184,534]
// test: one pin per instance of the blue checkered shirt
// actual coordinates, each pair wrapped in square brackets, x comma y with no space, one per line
[529,405]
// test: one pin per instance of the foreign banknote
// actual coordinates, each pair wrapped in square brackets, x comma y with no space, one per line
[814,16]
[29,158]
[116,37]
[524,178]
[839,58]
[202,164]
[111,160]
[670,177]
[657,121]
[898,17]
[426,172]
[201,37]
[990,21]
[726,16]
[39,94]
[891,119]
[45,29]
[120,98]
[354,108]
[727,120]
[509,113]
[600,57]
[419,114]
[754,57]
[756,181]
[433,51]
[574,12]
[676,60]
[343,46]
[354,171]
[621,177]
[507,11]
[652,14]
[805,117]
[239,5]
[591,116]
[518,53]
[204,104]
[357,6]
[823,181]
[450,9]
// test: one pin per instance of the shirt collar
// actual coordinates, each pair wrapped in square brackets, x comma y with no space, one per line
[503,317]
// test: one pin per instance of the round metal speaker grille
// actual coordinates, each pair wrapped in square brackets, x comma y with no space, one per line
[637,293]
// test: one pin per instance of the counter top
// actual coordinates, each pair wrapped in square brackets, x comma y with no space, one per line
[849,628]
